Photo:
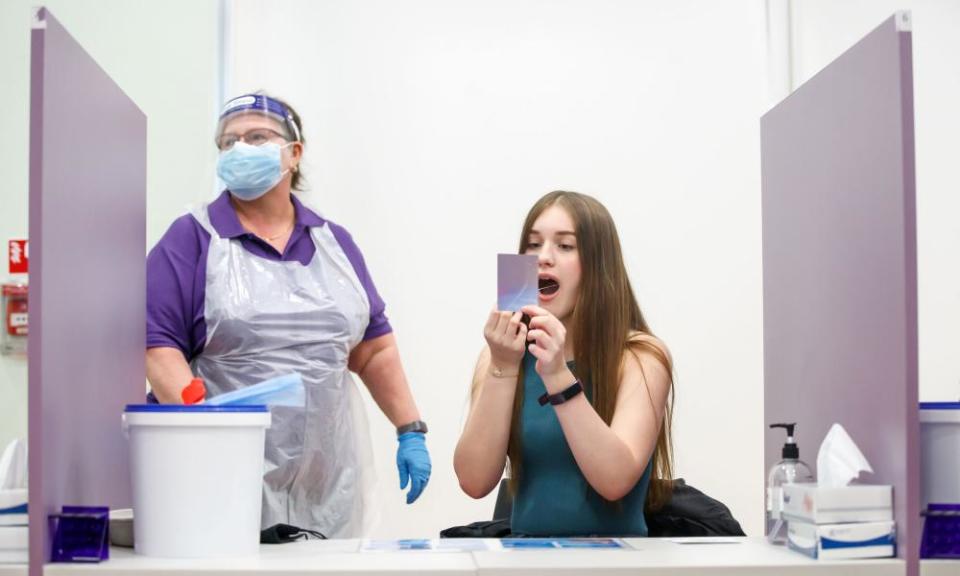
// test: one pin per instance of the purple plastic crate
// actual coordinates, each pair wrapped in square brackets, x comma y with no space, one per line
[81,534]
[941,532]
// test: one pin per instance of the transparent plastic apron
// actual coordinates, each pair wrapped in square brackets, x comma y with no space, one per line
[266,318]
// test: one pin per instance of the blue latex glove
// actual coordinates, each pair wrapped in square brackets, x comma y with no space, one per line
[413,463]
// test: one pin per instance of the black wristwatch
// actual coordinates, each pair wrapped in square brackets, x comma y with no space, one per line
[415,426]
[561,397]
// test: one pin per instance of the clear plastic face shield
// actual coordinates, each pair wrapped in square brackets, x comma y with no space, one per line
[255,119]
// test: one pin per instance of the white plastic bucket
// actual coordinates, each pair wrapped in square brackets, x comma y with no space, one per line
[939,453]
[197,481]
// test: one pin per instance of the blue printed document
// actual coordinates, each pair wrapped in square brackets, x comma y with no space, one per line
[542,543]
[423,544]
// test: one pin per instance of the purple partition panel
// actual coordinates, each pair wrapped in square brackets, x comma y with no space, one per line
[87,279]
[840,265]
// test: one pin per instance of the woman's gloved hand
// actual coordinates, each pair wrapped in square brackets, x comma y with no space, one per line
[413,463]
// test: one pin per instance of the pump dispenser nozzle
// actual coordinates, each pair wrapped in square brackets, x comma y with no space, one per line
[790,449]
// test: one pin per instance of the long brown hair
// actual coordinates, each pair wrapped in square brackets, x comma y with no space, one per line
[599,347]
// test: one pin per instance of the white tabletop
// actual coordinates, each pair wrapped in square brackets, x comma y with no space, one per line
[676,557]
[327,557]
[679,556]
[939,567]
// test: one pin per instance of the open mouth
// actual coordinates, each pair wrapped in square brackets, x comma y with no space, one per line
[548,286]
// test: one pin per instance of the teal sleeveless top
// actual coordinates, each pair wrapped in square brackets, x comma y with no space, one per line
[554,498]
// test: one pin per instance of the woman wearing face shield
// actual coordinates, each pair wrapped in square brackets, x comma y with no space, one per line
[255,285]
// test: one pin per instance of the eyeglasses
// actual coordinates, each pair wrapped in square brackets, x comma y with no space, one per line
[255,137]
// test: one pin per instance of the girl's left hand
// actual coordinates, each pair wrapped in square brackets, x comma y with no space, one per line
[547,336]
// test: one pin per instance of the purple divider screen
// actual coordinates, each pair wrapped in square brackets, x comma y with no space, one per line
[87,280]
[840,266]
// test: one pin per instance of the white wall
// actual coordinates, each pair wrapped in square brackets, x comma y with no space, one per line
[165,56]
[822,29]
[432,127]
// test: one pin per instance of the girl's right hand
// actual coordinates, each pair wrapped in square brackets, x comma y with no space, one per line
[506,336]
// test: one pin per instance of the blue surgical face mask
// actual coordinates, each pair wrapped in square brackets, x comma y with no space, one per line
[250,171]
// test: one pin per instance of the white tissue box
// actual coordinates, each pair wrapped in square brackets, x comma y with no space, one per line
[13,507]
[14,537]
[14,556]
[12,498]
[838,541]
[824,505]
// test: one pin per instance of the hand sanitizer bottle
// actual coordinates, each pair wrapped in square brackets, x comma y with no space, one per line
[789,470]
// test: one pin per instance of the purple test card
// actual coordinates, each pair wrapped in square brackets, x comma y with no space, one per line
[517,283]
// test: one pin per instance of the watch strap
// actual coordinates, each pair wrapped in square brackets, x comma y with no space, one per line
[562,396]
[415,426]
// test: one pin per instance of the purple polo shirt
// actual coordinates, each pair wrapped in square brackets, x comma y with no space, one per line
[177,272]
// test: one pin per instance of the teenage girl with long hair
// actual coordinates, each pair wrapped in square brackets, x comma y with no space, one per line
[580,402]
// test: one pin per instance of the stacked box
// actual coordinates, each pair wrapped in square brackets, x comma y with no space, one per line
[13,527]
[853,521]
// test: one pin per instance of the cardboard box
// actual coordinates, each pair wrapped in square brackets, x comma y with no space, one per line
[14,537]
[842,541]
[822,505]
[13,507]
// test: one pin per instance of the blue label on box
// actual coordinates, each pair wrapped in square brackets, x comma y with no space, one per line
[829,544]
